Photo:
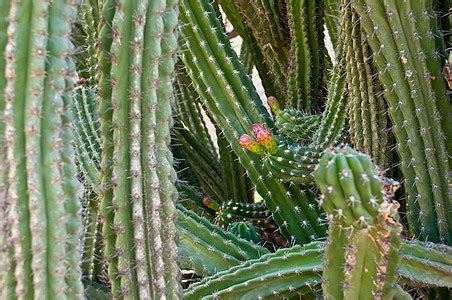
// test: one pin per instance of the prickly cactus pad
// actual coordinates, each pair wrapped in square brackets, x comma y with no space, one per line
[364,234]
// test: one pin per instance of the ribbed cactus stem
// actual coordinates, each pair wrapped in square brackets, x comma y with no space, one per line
[366,107]
[4,223]
[42,187]
[364,237]
[138,177]
[410,71]
[305,19]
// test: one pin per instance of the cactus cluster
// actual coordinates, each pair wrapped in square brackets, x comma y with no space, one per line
[139,161]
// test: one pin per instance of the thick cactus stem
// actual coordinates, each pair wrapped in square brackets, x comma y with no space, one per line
[407,49]
[138,42]
[364,237]
[42,199]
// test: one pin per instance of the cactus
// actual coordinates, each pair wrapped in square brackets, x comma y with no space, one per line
[287,272]
[206,247]
[245,231]
[418,105]
[138,191]
[42,199]
[367,121]
[268,205]
[284,264]
[364,232]
[231,76]
[307,53]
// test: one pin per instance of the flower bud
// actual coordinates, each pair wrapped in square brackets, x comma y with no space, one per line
[249,143]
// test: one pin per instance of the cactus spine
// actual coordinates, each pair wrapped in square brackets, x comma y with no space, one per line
[138,191]
[42,200]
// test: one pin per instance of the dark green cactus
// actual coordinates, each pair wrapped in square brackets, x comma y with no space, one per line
[207,248]
[417,260]
[256,213]
[307,54]
[93,81]
[364,234]
[287,272]
[42,204]
[245,230]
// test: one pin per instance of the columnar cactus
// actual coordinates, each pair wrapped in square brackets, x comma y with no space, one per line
[367,119]
[364,234]
[407,49]
[138,43]
[42,206]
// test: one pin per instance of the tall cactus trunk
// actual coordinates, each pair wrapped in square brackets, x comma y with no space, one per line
[138,192]
[42,204]
[407,47]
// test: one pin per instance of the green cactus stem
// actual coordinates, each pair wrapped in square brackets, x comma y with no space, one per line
[42,199]
[307,54]
[245,230]
[138,191]
[402,36]
[367,118]
[87,141]
[364,238]
[262,19]
[297,125]
[207,248]
[5,250]
[256,214]
[287,272]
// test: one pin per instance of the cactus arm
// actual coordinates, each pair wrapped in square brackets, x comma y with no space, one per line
[274,54]
[201,257]
[44,192]
[121,56]
[417,113]
[212,244]
[426,264]
[245,230]
[90,224]
[334,260]
[242,249]
[165,166]
[367,121]
[271,273]
[363,226]
[210,180]
[299,76]
[284,263]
